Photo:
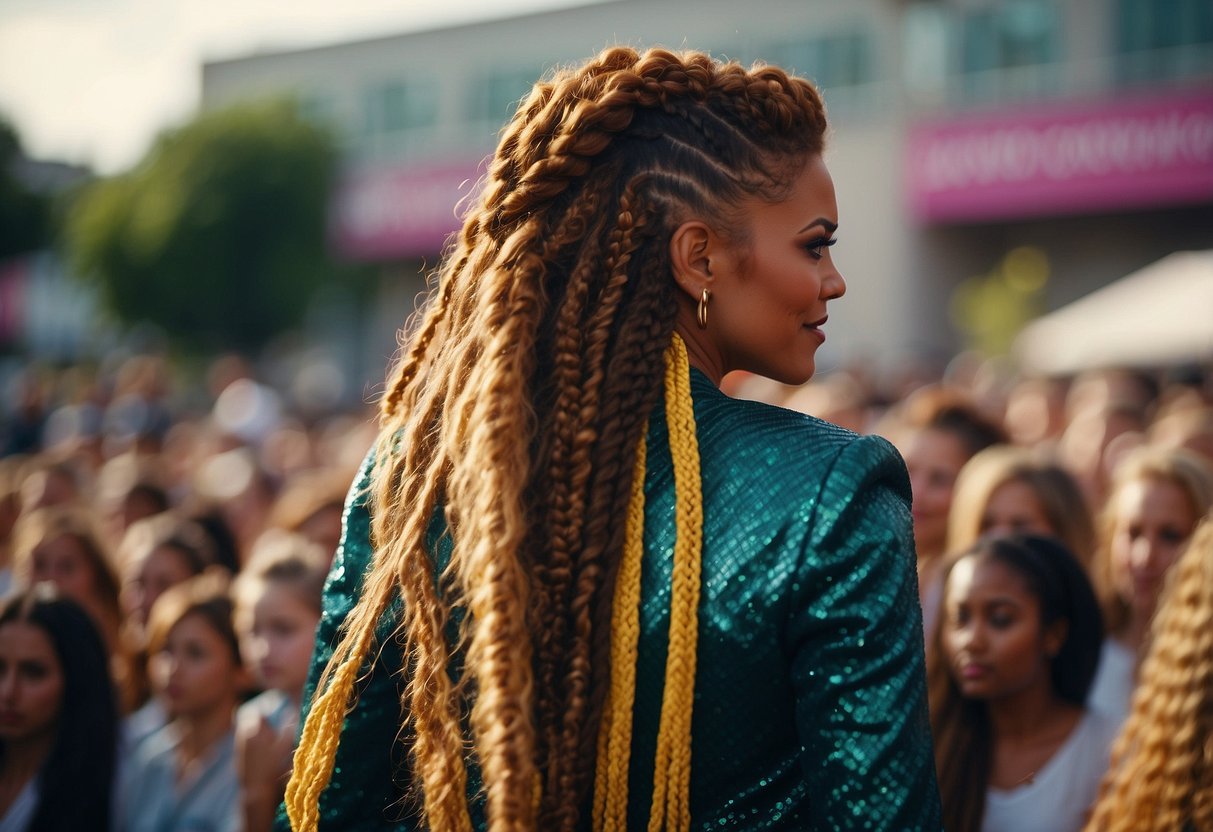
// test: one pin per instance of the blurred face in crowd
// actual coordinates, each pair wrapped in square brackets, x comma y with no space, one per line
[323,528]
[137,505]
[1014,507]
[1153,520]
[63,561]
[31,683]
[148,577]
[934,458]
[47,488]
[277,632]
[195,672]
[991,633]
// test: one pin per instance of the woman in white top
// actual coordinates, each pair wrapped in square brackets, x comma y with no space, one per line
[1157,497]
[1008,673]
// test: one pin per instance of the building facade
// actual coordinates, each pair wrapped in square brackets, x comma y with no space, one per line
[992,158]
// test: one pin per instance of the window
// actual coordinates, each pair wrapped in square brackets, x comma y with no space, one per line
[318,108]
[1011,34]
[394,106]
[1163,39]
[495,96]
[983,52]
[841,60]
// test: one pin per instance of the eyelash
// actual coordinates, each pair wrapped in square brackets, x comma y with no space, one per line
[814,247]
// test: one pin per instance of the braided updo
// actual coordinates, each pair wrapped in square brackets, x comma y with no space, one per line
[518,406]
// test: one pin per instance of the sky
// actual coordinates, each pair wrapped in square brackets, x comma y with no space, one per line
[93,81]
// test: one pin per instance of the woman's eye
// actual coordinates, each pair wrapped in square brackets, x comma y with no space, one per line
[1001,620]
[816,248]
[1173,536]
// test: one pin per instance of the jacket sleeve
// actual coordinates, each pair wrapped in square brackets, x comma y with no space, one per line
[364,793]
[856,642]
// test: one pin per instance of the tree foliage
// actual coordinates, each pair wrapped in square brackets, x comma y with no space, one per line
[218,235]
[24,215]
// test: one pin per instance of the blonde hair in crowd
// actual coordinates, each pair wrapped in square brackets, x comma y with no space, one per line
[1161,777]
[518,409]
[1188,471]
[1058,493]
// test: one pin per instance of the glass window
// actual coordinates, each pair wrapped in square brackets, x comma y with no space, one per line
[1163,39]
[1011,34]
[317,108]
[983,52]
[394,106]
[840,60]
[497,94]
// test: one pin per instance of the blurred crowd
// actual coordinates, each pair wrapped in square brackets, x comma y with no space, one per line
[192,528]
[162,557]
[1064,533]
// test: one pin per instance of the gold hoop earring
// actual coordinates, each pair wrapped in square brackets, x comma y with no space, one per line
[701,313]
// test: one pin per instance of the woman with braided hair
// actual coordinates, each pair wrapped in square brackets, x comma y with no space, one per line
[579,587]
[1161,778]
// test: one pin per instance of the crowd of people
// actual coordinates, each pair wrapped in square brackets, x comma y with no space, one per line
[1068,655]
[162,553]
[163,581]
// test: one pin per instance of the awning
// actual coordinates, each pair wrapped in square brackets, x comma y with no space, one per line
[1159,316]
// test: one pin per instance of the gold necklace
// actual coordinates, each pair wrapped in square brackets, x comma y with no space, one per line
[1027,780]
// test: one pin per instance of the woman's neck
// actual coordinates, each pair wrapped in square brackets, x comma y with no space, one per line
[22,758]
[1135,632]
[1029,715]
[199,732]
[699,355]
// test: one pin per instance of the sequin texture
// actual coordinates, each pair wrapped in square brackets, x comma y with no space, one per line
[810,704]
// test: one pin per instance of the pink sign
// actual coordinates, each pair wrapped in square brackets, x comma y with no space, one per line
[1063,159]
[400,212]
[14,276]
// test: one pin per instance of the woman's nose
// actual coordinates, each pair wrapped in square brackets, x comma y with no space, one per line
[834,285]
[1144,554]
[973,638]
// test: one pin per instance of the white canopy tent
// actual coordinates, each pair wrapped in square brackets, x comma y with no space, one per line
[1157,316]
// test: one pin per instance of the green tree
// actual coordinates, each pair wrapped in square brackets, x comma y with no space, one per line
[218,235]
[24,215]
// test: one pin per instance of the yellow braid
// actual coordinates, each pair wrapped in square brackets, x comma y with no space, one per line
[313,765]
[672,767]
[317,750]
[674,736]
[615,734]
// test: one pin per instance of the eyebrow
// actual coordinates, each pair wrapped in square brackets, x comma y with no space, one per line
[829,226]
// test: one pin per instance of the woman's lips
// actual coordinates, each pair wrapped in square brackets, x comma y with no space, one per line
[973,670]
[815,327]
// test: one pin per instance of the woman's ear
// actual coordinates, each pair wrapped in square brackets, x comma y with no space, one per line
[1055,637]
[690,250]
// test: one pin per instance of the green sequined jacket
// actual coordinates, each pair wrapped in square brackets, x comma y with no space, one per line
[810,702]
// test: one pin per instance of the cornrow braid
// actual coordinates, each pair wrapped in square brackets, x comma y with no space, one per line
[513,420]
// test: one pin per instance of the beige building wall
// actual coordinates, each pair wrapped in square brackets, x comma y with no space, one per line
[902,272]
